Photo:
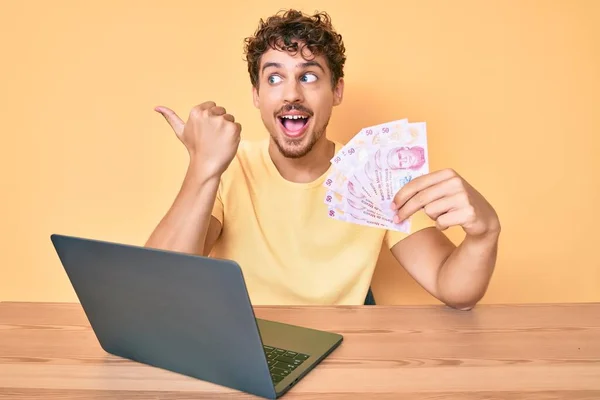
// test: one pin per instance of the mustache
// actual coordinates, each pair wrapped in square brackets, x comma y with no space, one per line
[294,107]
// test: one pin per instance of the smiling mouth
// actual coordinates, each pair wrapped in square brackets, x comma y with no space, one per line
[294,125]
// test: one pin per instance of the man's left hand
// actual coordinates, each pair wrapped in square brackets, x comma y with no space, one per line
[449,200]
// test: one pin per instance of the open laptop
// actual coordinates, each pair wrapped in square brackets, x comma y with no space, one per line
[187,314]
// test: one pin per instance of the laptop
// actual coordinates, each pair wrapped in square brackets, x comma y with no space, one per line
[187,314]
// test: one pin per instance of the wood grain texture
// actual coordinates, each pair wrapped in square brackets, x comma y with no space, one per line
[389,352]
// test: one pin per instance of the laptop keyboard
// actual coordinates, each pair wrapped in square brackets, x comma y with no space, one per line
[282,362]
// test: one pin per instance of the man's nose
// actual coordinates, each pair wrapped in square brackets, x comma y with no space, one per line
[293,92]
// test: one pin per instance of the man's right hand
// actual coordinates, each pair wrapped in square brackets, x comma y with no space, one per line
[210,135]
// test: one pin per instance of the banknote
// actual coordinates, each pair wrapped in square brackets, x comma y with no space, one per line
[371,168]
[341,215]
[362,206]
[356,150]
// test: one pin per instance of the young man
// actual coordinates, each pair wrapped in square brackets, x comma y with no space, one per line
[261,203]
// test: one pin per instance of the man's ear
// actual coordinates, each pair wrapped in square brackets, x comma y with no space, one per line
[255,96]
[338,92]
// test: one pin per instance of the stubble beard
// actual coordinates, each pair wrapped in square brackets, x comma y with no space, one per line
[294,148]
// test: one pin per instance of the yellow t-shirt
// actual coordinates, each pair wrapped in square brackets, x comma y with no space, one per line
[279,232]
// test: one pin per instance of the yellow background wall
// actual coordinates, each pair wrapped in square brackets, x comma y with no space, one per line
[510,91]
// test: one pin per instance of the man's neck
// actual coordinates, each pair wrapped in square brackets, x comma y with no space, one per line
[305,169]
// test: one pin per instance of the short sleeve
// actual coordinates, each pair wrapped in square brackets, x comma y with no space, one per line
[418,221]
[217,210]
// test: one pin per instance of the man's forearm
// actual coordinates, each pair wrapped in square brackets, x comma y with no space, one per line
[185,225]
[464,277]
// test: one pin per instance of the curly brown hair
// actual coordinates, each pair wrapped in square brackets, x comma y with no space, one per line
[283,30]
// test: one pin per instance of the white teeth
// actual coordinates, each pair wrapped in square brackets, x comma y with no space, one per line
[294,116]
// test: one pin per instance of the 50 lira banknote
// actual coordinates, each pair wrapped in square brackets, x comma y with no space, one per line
[371,168]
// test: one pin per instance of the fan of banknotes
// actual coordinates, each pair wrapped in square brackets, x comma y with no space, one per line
[371,168]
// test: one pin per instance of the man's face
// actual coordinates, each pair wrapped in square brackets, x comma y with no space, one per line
[295,98]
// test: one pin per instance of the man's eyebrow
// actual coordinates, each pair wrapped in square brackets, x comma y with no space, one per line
[311,64]
[300,65]
[271,64]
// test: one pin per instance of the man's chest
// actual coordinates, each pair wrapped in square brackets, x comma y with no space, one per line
[291,218]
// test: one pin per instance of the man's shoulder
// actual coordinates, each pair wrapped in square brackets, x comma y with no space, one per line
[249,156]
[251,149]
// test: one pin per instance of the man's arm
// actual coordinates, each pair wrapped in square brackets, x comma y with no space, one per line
[458,276]
[188,225]
[211,137]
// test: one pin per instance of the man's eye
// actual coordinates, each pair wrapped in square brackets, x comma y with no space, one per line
[309,78]
[274,79]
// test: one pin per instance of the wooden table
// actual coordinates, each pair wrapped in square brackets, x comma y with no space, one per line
[48,351]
